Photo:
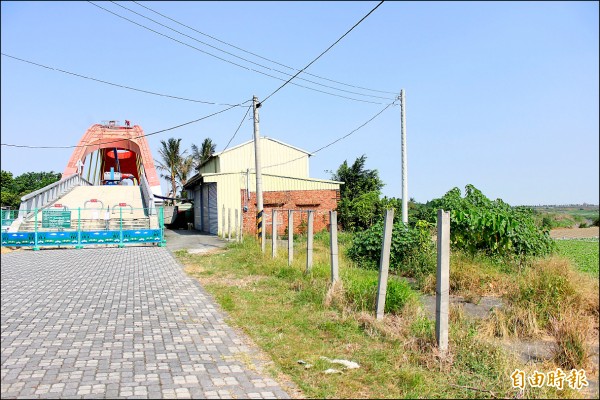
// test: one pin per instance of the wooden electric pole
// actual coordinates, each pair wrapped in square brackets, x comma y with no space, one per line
[259,195]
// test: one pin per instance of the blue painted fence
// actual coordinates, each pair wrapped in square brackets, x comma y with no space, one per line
[80,238]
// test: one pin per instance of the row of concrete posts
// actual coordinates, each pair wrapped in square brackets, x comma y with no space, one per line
[442,289]
[443,260]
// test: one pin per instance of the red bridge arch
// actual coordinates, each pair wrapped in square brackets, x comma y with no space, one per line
[110,137]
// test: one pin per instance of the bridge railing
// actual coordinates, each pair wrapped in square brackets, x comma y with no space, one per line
[80,227]
[46,195]
[147,195]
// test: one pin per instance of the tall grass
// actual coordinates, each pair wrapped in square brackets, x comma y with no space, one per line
[293,315]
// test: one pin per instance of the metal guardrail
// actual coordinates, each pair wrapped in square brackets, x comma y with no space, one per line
[61,230]
[147,195]
[46,195]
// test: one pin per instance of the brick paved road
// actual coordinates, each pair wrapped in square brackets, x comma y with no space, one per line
[110,322]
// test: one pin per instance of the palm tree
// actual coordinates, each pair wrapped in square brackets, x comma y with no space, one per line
[171,161]
[184,170]
[204,153]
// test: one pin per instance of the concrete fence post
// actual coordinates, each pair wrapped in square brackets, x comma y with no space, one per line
[223,223]
[274,233]
[333,245]
[241,226]
[229,224]
[290,237]
[309,242]
[237,224]
[442,288]
[384,263]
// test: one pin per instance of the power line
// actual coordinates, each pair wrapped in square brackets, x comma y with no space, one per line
[115,141]
[336,140]
[257,55]
[326,50]
[238,128]
[245,59]
[228,61]
[116,84]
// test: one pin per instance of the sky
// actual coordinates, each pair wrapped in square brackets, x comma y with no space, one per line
[500,95]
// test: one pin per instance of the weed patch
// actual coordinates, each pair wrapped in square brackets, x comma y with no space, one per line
[295,316]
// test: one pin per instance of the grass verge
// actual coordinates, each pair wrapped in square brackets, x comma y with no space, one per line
[297,316]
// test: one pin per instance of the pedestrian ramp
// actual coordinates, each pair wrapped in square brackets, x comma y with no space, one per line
[93,207]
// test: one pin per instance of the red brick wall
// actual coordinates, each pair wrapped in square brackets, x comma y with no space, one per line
[319,201]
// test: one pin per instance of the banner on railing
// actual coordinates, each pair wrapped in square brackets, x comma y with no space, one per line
[56,228]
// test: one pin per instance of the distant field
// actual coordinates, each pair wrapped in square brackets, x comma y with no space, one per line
[582,252]
[567,216]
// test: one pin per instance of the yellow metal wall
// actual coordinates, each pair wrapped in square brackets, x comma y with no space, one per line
[211,167]
[272,153]
[229,186]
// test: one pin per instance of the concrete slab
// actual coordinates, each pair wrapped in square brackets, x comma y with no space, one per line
[192,240]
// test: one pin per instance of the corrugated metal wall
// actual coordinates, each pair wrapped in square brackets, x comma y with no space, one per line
[272,153]
[230,185]
[211,166]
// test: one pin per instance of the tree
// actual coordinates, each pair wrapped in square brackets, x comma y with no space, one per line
[204,153]
[14,189]
[172,159]
[183,171]
[359,195]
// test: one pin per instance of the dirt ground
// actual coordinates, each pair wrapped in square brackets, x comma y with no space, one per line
[575,233]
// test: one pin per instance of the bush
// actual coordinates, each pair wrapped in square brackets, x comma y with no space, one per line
[478,224]
[361,291]
[547,223]
[596,222]
[583,225]
[412,250]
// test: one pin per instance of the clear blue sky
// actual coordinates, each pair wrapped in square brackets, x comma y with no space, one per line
[502,95]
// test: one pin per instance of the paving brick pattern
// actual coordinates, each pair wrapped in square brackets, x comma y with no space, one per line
[118,323]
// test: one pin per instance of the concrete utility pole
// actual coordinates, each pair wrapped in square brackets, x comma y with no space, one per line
[442,286]
[404,162]
[259,195]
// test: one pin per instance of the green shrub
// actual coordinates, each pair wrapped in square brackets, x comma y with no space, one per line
[478,224]
[547,223]
[583,225]
[412,250]
[361,291]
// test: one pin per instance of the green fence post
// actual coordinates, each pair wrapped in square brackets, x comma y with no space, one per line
[35,228]
[121,227]
[161,224]
[79,246]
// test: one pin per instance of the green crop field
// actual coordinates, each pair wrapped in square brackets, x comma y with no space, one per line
[582,252]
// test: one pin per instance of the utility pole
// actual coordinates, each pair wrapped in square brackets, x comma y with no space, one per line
[259,195]
[404,162]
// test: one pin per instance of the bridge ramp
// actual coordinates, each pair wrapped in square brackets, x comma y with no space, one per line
[99,206]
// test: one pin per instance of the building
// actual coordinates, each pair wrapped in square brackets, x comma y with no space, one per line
[226,183]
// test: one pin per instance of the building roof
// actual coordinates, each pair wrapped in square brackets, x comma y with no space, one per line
[263,137]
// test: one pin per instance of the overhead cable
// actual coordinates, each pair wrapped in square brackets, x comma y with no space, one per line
[336,140]
[118,85]
[119,140]
[245,59]
[257,55]
[326,50]
[229,61]
[238,128]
